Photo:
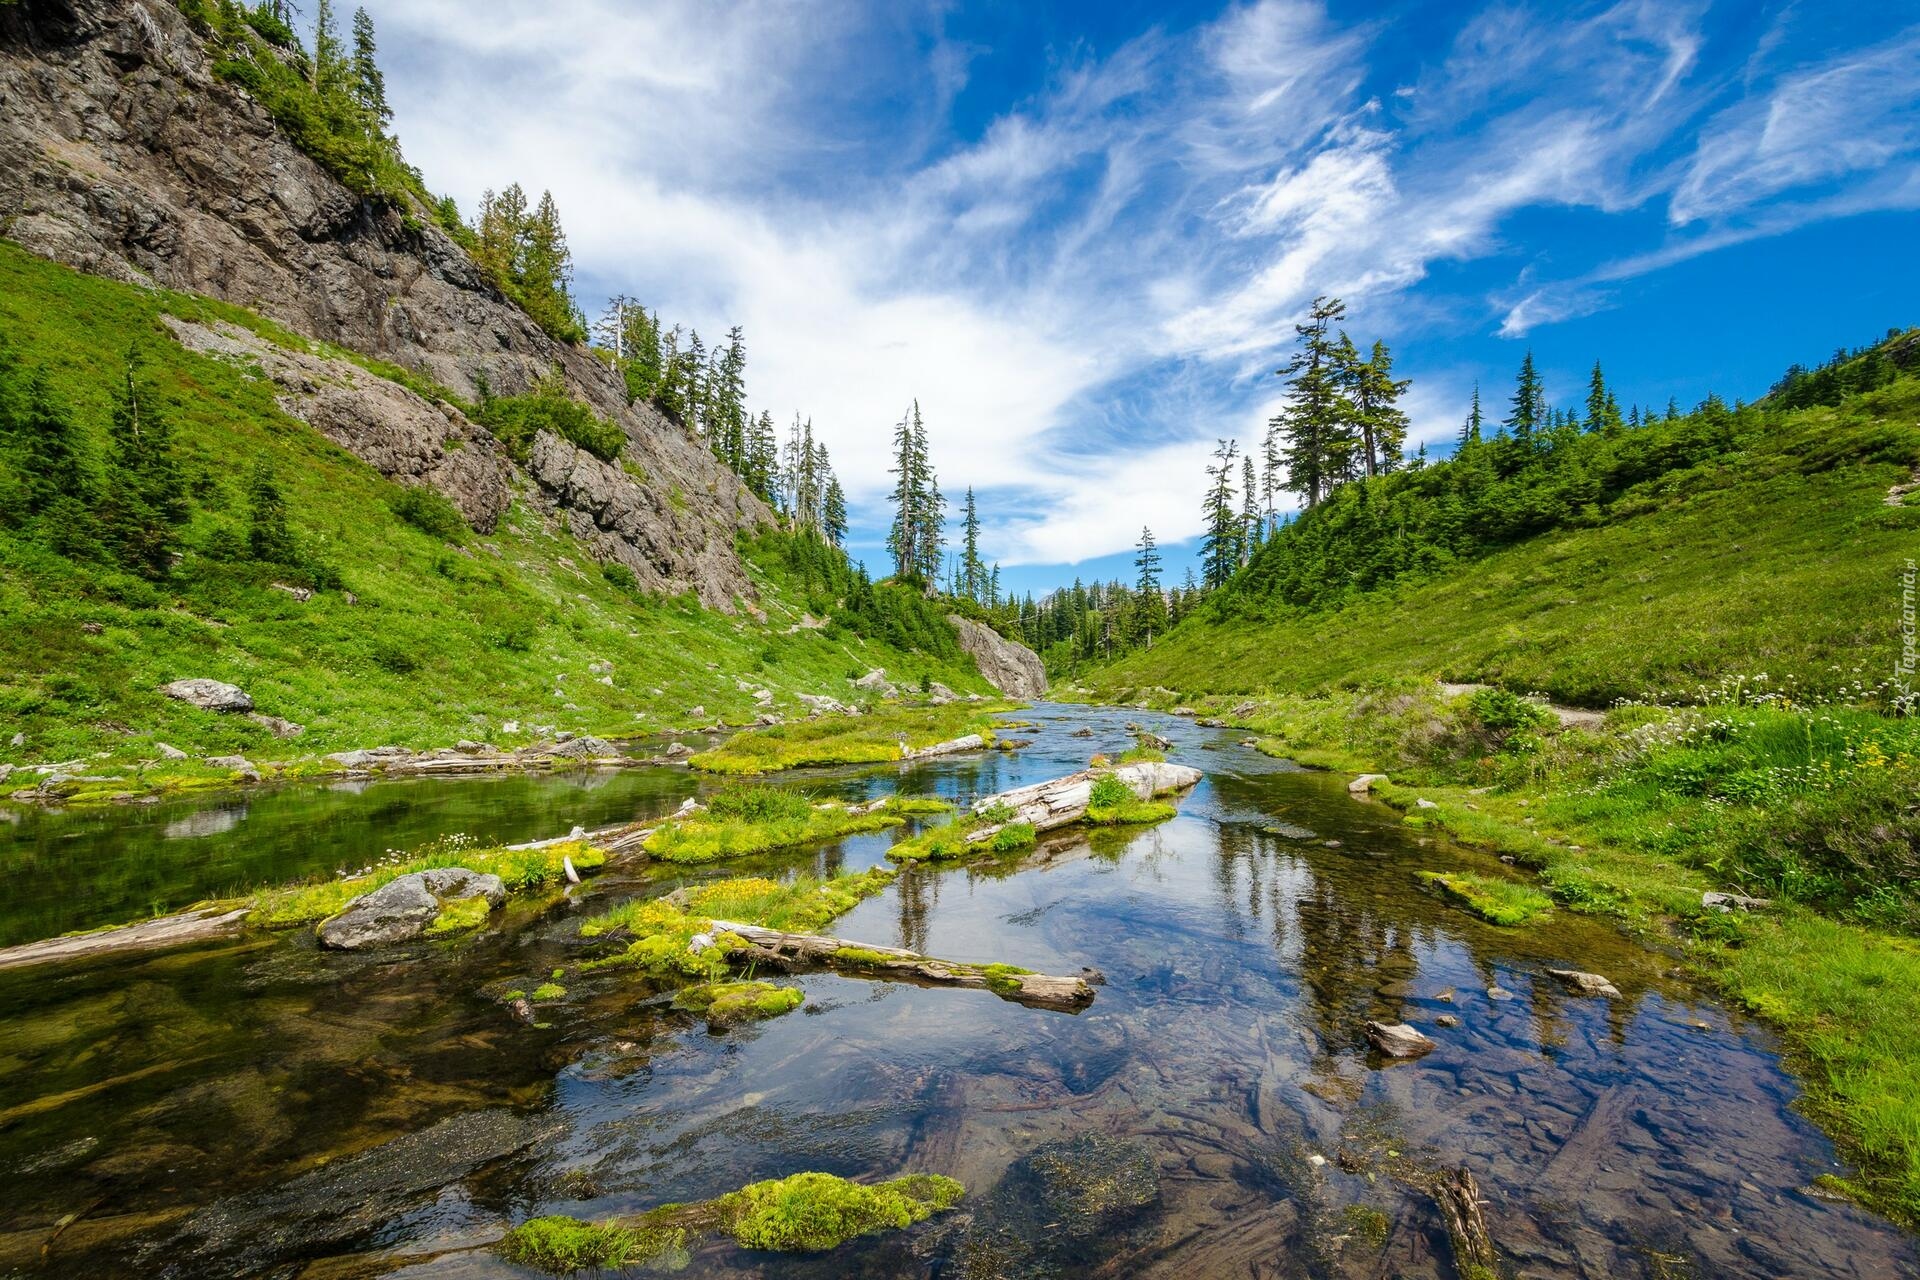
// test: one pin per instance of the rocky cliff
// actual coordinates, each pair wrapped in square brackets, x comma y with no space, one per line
[1008,665]
[122,154]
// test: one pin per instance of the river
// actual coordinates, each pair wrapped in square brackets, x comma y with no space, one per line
[257,1107]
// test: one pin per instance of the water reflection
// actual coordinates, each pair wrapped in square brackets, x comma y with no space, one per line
[255,1096]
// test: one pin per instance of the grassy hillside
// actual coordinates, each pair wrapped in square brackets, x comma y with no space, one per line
[1777,554]
[1742,607]
[411,637]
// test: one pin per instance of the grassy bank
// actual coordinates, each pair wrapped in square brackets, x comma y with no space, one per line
[755,819]
[875,738]
[419,631]
[1636,817]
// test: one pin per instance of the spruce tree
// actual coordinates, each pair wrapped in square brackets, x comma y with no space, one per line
[268,536]
[1316,426]
[1220,546]
[1470,429]
[930,505]
[1529,404]
[1603,411]
[1146,563]
[145,501]
[836,512]
[1249,511]
[369,85]
[973,574]
[902,536]
[1375,396]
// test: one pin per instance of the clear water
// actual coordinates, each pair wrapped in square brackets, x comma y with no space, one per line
[259,1108]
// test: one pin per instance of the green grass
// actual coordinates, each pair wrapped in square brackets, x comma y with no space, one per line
[861,739]
[748,820]
[1783,558]
[1113,803]
[518,869]
[1502,902]
[565,1246]
[442,643]
[956,841]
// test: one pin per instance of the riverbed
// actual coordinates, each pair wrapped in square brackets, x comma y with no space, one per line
[257,1107]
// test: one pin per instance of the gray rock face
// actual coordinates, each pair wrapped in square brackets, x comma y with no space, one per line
[403,908]
[1007,665]
[209,695]
[123,155]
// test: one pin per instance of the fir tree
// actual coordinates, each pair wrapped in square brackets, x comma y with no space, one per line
[1603,411]
[1529,404]
[145,501]
[1375,396]
[268,536]
[973,574]
[1146,563]
[1220,547]
[1316,425]
[835,524]
[1249,510]
[369,85]
[1470,429]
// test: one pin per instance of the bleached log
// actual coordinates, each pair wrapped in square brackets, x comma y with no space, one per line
[164,931]
[1039,989]
[1063,801]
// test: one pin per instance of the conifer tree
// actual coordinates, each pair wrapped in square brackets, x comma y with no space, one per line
[973,574]
[1146,563]
[836,512]
[903,536]
[1470,429]
[369,85]
[1249,510]
[1220,547]
[331,71]
[145,501]
[1529,404]
[1375,396]
[268,536]
[1316,425]
[930,507]
[1603,411]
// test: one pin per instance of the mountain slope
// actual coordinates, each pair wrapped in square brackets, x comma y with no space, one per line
[1780,554]
[124,154]
[409,636]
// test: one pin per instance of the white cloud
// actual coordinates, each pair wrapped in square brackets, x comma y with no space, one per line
[1119,254]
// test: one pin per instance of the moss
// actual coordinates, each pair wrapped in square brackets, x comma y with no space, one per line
[957,840]
[460,915]
[727,1003]
[1502,902]
[863,956]
[911,805]
[565,1246]
[1004,979]
[738,830]
[549,991]
[1366,1222]
[854,739]
[1142,754]
[813,1212]
[1133,811]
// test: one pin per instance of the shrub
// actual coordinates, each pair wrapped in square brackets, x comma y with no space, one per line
[515,420]
[430,511]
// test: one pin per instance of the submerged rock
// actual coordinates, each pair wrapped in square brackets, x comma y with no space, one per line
[404,908]
[209,695]
[1398,1040]
[1586,984]
[1060,1208]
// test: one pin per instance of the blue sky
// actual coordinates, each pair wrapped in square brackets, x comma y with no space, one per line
[1080,234]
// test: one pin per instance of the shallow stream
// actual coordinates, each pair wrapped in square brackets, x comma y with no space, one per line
[257,1107]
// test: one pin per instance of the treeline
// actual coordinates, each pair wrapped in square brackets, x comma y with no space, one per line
[1540,468]
[1846,373]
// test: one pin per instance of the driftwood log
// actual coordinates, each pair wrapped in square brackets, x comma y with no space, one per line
[1063,801]
[1036,989]
[1459,1199]
[163,931]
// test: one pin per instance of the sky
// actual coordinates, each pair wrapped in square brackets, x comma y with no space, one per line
[1080,234]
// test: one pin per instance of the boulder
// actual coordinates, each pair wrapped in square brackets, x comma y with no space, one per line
[1586,984]
[1398,1040]
[169,752]
[587,748]
[820,704]
[276,726]
[1729,902]
[875,681]
[1363,784]
[403,908]
[209,695]
[1007,665]
[239,764]
[678,750]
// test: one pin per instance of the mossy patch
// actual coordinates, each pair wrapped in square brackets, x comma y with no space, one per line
[548,991]
[1004,979]
[461,915]
[813,1212]
[953,841]
[854,739]
[1502,902]
[756,819]
[726,1003]
[566,1246]
[519,870]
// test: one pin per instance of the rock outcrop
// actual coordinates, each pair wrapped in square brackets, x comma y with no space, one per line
[121,153]
[404,908]
[209,695]
[1007,665]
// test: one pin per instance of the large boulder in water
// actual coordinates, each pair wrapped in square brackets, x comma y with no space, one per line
[403,908]
[1007,665]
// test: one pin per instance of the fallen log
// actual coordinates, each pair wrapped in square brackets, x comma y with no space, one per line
[1046,806]
[163,931]
[971,742]
[1459,1199]
[1039,990]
